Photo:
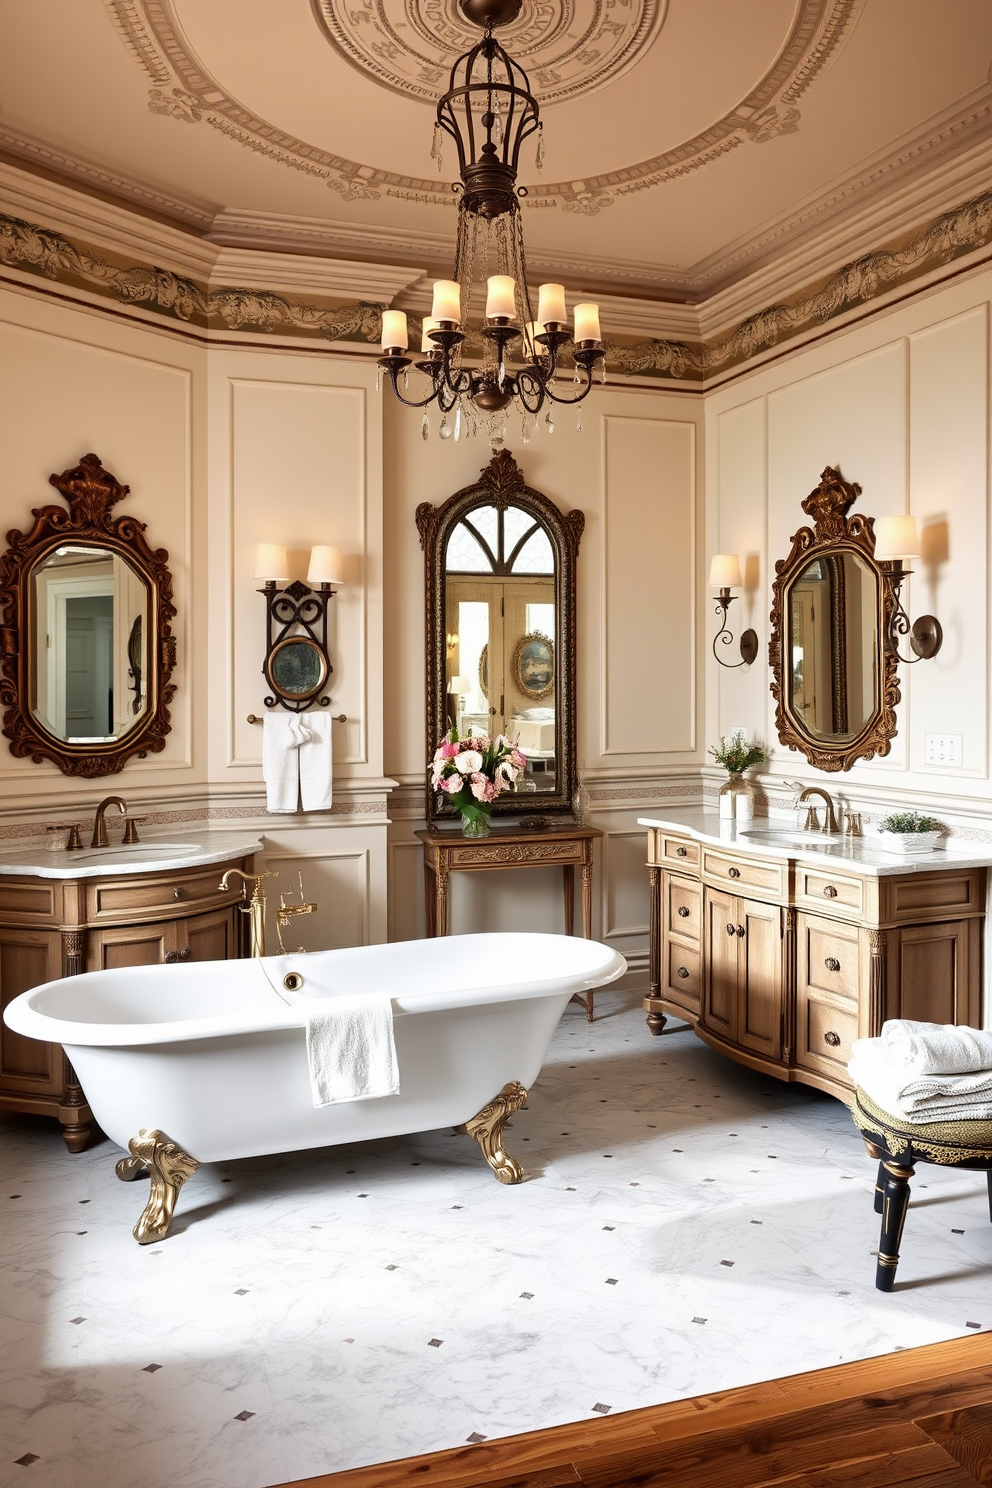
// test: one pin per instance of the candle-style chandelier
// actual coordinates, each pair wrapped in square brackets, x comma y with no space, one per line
[489,111]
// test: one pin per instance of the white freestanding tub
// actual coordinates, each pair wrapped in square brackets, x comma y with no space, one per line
[203,1062]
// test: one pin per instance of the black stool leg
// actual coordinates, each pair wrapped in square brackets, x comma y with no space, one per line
[880,1189]
[894,1204]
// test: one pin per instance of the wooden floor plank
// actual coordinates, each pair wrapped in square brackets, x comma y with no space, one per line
[967,1436]
[919,1467]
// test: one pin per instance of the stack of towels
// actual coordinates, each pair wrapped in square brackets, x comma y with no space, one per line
[926,1072]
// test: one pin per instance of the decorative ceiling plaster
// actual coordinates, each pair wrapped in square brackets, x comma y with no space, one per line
[410,46]
[157,43]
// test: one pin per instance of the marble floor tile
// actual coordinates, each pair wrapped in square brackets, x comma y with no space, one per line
[686,1225]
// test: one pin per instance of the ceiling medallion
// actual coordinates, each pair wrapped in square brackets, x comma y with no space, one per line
[569,49]
[489,112]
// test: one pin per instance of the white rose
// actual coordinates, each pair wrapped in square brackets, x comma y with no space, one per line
[468,762]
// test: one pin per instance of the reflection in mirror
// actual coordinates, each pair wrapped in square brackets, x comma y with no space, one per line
[88,606]
[833,658]
[499,588]
[501,629]
[834,678]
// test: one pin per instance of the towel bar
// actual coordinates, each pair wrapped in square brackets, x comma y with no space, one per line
[335,718]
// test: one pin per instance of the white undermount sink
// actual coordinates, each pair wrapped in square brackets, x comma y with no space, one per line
[786,837]
[136,851]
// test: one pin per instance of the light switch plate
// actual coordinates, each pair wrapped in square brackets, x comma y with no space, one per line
[942,749]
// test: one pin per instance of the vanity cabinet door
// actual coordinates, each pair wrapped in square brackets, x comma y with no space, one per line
[760,977]
[933,972]
[212,937]
[720,952]
[206,937]
[832,974]
[28,1066]
[682,922]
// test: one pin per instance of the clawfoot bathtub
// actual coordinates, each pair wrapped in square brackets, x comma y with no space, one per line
[206,1062]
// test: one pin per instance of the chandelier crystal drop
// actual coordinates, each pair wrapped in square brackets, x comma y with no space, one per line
[485,312]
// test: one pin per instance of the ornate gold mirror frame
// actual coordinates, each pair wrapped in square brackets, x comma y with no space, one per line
[501,485]
[91,492]
[834,535]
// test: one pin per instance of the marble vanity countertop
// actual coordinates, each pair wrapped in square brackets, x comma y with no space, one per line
[777,837]
[156,854]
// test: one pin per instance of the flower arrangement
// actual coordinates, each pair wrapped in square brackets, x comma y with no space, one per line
[736,754]
[473,772]
[909,821]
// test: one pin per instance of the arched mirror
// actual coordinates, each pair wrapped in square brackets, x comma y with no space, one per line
[501,629]
[834,678]
[87,650]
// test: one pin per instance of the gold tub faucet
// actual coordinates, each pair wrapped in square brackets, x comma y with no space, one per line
[254,907]
[100,838]
[287,912]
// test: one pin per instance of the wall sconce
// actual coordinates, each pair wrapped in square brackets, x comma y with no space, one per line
[725,575]
[897,538]
[297,664]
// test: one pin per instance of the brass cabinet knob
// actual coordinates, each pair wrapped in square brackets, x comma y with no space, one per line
[739,930]
[733,873]
[832,964]
[831,1038]
[830,892]
[731,930]
[683,912]
[683,971]
[181,893]
[171,957]
[681,852]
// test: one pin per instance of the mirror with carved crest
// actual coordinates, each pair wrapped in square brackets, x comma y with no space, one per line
[87,649]
[501,561]
[834,678]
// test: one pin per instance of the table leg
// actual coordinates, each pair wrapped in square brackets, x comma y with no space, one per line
[587,900]
[568,880]
[441,899]
[430,908]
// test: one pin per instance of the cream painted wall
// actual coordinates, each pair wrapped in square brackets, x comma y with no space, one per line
[900,405]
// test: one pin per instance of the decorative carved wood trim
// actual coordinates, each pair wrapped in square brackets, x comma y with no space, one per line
[834,532]
[501,484]
[91,492]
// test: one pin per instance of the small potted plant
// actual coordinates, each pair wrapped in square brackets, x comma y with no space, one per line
[909,832]
[736,755]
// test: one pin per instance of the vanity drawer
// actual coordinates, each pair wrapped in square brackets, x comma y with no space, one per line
[184,891]
[764,878]
[826,1031]
[667,851]
[683,907]
[684,977]
[828,958]
[822,889]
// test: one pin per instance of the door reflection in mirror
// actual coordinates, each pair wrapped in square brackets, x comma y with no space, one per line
[499,570]
[88,620]
[833,645]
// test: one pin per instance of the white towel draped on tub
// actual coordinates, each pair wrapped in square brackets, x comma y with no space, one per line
[296,761]
[351,1050]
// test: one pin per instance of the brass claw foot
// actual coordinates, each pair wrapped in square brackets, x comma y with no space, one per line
[156,1156]
[487,1129]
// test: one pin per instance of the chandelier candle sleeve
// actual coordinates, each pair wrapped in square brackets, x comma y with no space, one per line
[725,571]
[896,537]
[427,325]
[394,331]
[532,346]
[447,301]
[587,323]
[551,304]
[500,299]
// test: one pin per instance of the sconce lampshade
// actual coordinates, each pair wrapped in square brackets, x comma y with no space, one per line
[459,685]
[270,562]
[896,537]
[725,572]
[325,565]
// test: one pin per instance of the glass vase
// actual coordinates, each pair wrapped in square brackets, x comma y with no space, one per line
[733,791]
[476,826]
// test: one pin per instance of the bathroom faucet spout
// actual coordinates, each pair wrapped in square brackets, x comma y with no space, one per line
[100,838]
[254,907]
[829,815]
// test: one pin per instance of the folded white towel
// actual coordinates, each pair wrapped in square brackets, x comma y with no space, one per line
[936,1048]
[283,734]
[958,1098]
[315,764]
[351,1050]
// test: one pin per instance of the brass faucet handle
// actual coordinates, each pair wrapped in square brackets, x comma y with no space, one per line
[131,825]
[811,824]
[73,841]
[852,826]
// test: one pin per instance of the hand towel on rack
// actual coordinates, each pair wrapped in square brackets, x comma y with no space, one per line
[315,763]
[283,734]
[351,1051]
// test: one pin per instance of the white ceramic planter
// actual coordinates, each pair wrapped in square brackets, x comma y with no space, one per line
[908,842]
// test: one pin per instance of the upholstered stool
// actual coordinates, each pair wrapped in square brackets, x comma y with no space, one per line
[900,1145]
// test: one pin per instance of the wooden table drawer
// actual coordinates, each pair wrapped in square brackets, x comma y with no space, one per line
[826,1032]
[823,889]
[768,876]
[828,957]
[684,907]
[491,853]
[178,893]
[684,974]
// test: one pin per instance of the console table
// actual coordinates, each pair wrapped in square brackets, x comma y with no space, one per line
[447,851]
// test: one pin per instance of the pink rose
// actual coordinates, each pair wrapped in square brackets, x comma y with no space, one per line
[478,785]
[451,783]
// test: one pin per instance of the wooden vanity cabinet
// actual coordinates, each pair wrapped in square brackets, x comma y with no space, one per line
[793,961]
[51,928]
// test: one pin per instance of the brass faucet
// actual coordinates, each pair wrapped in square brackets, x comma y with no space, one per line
[286,912]
[100,838]
[829,816]
[253,908]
